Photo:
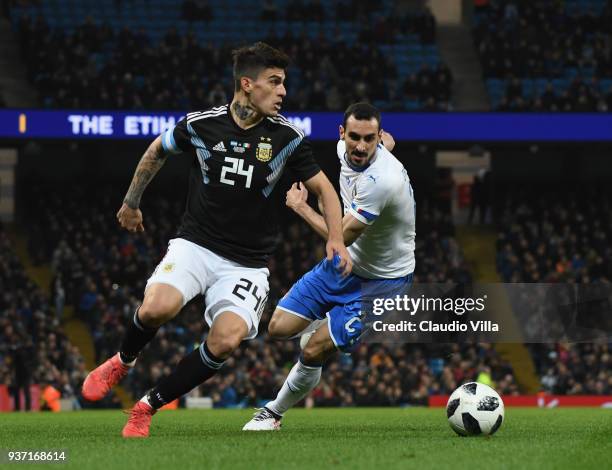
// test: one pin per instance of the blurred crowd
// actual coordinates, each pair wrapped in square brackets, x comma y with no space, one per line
[580,96]
[519,40]
[34,348]
[556,235]
[575,369]
[378,22]
[374,375]
[97,66]
[562,236]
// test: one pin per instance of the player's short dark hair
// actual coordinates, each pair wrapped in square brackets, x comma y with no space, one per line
[362,112]
[249,61]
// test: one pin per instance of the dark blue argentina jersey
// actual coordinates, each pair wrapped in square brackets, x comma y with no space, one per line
[232,206]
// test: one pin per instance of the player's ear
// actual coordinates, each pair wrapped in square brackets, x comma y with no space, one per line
[245,84]
[341,132]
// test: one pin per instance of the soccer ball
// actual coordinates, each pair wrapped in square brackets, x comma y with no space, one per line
[474,409]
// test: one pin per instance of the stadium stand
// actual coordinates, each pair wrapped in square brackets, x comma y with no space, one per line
[561,236]
[124,55]
[34,349]
[546,56]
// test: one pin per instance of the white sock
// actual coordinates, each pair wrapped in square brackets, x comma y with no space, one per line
[300,381]
[145,399]
[129,364]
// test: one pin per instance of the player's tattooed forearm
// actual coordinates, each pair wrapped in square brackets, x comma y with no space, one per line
[142,177]
[243,112]
[150,163]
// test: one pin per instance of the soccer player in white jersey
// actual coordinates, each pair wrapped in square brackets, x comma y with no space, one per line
[379,230]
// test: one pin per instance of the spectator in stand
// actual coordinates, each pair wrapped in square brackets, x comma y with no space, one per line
[426,27]
[32,343]
[317,12]
[66,66]
[479,196]
[21,351]
[561,238]
[535,40]
[49,396]
[269,10]
[197,10]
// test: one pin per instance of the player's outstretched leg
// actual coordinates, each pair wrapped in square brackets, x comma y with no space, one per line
[161,303]
[226,334]
[304,376]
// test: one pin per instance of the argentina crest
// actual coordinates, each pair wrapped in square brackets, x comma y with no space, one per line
[263,152]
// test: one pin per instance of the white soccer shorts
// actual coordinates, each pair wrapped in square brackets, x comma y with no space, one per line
[226,285]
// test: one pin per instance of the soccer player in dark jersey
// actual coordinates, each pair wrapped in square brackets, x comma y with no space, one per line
[228,232]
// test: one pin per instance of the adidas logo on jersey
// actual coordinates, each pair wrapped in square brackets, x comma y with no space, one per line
[220,147]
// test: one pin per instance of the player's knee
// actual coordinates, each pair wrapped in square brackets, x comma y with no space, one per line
[275,328]
[223,346]
[157,311]
[313,354]
[226,333]
[318,349]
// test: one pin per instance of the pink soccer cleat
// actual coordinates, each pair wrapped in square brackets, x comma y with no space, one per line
[139,421]
[100,380]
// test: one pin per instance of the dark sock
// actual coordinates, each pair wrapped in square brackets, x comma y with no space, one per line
[277,416]
[136,337]
[309,364]
[194,369]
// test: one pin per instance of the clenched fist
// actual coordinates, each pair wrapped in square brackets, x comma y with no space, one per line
[130,219]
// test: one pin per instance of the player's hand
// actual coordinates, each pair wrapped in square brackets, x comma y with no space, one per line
[387,140]
[296,196]
[130,219]
[345,263]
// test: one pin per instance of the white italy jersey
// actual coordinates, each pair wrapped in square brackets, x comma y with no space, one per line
[380,196]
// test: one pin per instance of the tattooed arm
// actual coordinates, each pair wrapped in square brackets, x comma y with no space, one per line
[130,216]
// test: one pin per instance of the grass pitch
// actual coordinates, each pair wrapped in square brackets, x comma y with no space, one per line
[364,438]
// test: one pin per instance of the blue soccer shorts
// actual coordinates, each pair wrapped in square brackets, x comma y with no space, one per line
[346,301]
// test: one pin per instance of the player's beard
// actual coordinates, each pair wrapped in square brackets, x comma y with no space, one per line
[360,159]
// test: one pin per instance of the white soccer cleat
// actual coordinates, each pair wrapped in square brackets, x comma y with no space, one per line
[263,420]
